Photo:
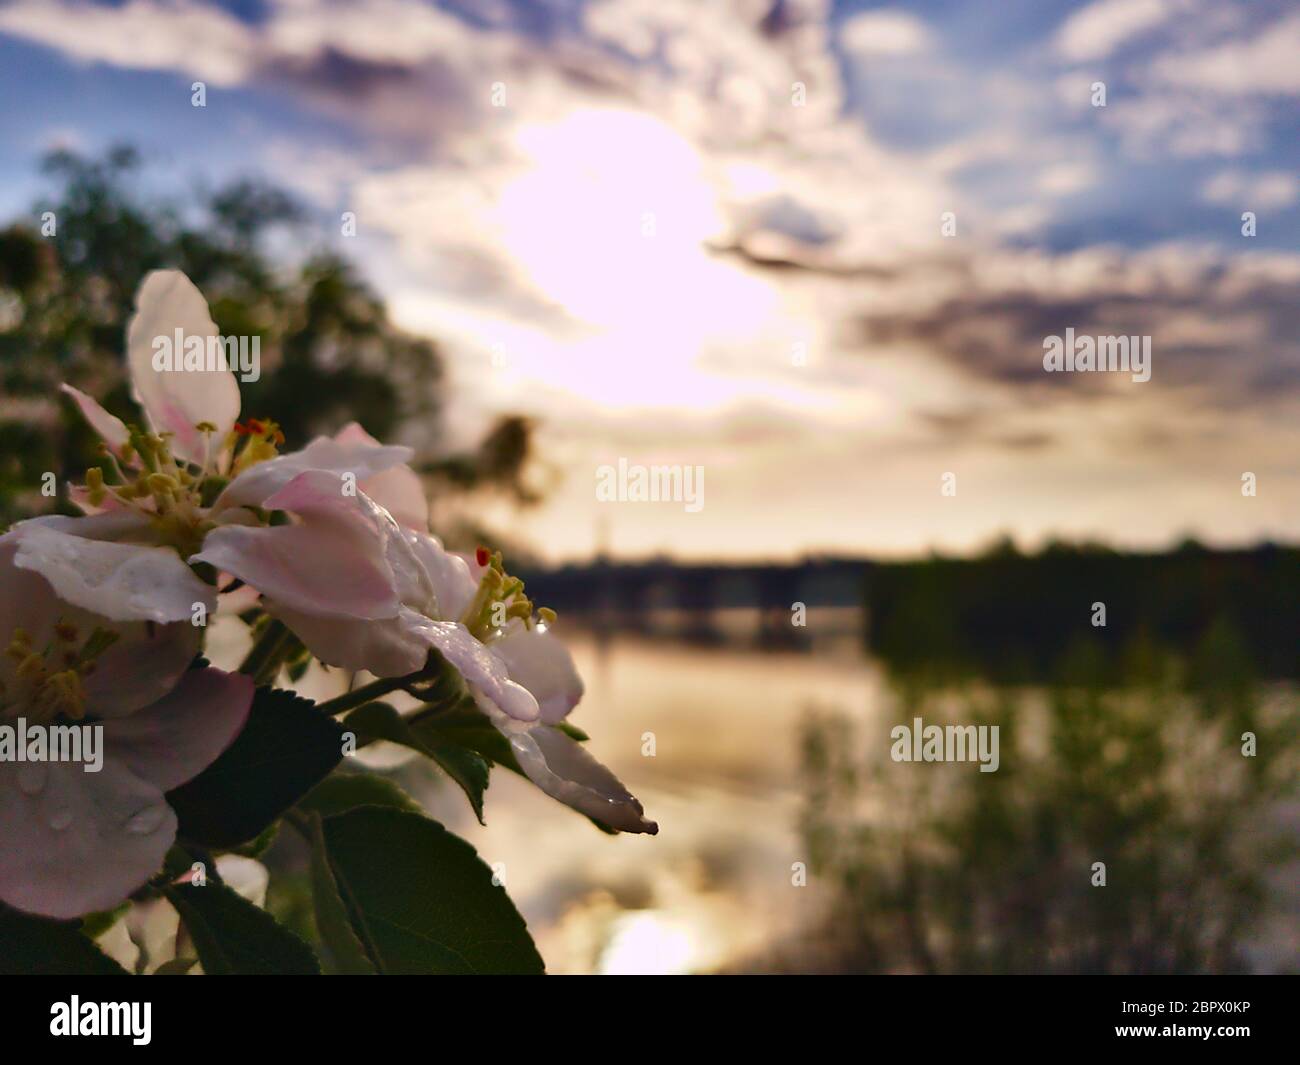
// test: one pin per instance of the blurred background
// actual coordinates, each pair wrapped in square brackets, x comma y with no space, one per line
[812,248]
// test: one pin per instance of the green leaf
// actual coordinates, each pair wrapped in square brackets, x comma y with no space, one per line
[177,862]
[344,953]
[94,925]
[235,938]
[420,900]
[37,946]
[297,665]
[468,727]
[379,721]
[257,847]
[468,769]
[285,749]
[341,792]
[572,731]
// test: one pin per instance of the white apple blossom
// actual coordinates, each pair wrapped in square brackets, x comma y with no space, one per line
[99,632]
[354,572]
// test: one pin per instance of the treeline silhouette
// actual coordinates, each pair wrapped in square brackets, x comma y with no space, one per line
[1014,617]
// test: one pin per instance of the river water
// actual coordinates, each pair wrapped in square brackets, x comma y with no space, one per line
[708,737]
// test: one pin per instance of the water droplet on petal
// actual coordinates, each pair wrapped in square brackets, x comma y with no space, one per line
[60,819]
[145,821]
[31,777]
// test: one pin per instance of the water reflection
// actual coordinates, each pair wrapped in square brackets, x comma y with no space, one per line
[790,842]
[715,886]
[768,761]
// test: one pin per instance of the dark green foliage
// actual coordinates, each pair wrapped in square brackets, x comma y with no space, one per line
[37,946]
[286,748]
[235,938]
[460,761]
[413,898]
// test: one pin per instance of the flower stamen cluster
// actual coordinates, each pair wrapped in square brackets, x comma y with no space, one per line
[49,680]
[499,598]
[174,495]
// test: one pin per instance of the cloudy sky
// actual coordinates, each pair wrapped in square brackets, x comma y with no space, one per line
[713,234]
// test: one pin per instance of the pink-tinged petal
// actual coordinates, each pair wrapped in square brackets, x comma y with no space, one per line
[123,582]
[397,489]
[115,526]
[108,426]
[180,735]
[78,842]
[319,496]
[79,497]
[355,433]
[176,401]
[255,486]
[483,671]
[239,601]
[448,573]
[538,660]
[333,563]
[565,771]
[389,647]
[305,567]
[142,665]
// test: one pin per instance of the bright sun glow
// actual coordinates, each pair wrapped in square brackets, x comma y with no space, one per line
[610,221]
[646,944]
[612,209]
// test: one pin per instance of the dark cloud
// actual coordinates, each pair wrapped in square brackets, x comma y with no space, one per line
[333,72]
[1239,335]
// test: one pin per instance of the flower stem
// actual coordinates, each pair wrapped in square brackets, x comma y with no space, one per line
[359,696]
[265,656]
[349,700]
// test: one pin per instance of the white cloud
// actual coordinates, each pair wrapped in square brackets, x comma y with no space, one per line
[1247,191]
[1164,122]
[1198,87]
[190,38]
[1095,31]
[1268,64]
[380,31]
[885,32]
[523,226]
[1067,178]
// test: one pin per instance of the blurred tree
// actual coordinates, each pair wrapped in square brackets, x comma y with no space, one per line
[939,868]
[329,353]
